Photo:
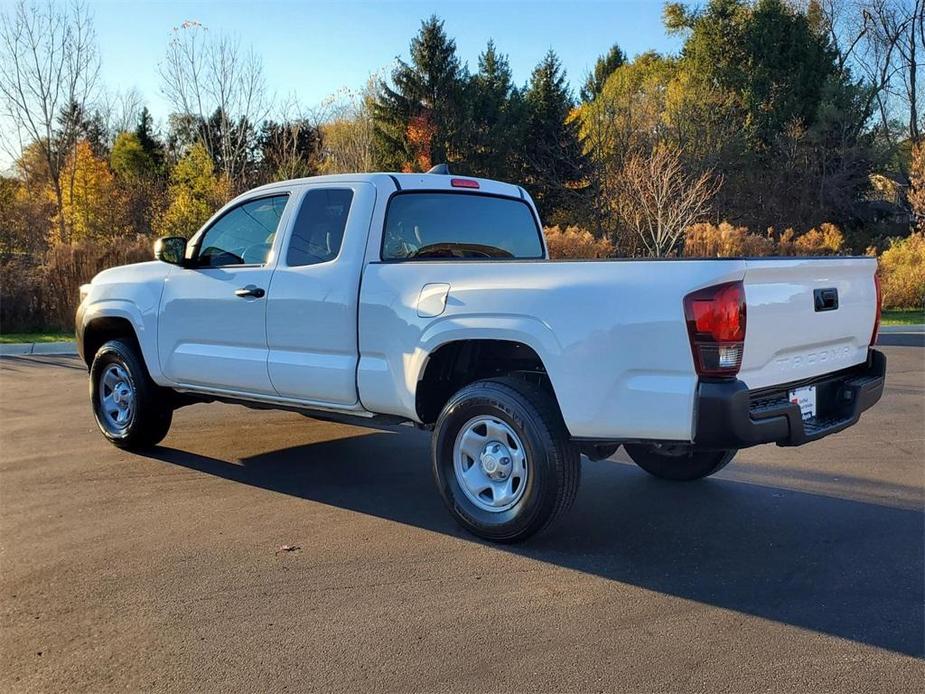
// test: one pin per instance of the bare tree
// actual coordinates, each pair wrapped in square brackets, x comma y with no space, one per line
[882,40]
[290,147]
[120,110]
[658,199]
[346,124]
[49,67]
[212,79]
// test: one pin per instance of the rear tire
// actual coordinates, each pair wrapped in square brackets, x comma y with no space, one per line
[131,410]
[503,460]
[684,466]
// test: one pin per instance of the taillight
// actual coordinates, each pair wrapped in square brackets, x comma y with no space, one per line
[463,183]
[716,325]
[873,335]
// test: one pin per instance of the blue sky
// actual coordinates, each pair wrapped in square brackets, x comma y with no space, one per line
[312,48]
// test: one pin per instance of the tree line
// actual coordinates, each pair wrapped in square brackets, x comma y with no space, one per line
[776,118]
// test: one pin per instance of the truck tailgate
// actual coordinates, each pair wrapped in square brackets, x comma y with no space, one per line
[793,332]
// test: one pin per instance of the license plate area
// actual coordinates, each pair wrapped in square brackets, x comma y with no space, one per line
[805,398]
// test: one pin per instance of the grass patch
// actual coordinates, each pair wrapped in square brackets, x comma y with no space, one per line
[48,336]
[905,316]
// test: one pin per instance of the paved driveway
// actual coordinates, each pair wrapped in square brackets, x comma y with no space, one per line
[792,570]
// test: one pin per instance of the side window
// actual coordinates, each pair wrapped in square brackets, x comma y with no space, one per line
[318,230]
[243,235]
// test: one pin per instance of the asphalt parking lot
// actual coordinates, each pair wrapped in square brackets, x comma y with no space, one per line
[792,570]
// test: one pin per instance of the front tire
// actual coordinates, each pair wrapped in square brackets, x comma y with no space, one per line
[682,464]
[503,460]
[131,411]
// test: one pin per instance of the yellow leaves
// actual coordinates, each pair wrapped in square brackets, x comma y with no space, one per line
[902,272]
[195,192]
[575,242]
[92,205]
[129,159]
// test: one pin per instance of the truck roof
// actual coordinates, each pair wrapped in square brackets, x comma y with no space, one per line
[405,181]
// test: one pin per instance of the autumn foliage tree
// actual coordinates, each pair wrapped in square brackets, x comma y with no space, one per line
[92,206]
[195,193]
[423,105]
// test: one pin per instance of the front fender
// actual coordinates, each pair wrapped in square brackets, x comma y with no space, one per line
[143,322]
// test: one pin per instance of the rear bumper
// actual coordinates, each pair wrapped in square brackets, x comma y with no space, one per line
[729,415]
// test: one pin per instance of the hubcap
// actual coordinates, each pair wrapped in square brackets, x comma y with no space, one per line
[117,398]
[490,464]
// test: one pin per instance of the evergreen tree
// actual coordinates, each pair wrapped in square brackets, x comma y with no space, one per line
[494,117]
[767,54]
[552,163]
[80,124]
[603,68]
[148,139]
[288,149]
[421,119]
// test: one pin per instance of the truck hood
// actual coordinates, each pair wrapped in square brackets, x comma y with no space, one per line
[152,270]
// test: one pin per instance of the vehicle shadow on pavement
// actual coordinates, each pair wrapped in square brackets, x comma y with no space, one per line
[847,568]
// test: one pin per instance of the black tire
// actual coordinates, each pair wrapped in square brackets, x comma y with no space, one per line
[151,411]
[683,465]
[552,461]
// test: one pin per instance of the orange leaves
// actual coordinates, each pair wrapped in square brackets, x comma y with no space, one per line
[420,134]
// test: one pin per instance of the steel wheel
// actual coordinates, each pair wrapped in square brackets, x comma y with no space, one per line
[117,398]
[490,464]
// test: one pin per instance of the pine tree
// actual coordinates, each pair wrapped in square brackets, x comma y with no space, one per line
[422,117]
[553,165]
[494,117]
[603,68]
[148,138]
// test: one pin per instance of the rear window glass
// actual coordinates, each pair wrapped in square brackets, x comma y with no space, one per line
[430,226]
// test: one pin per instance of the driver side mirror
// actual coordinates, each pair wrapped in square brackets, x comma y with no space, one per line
[171,249]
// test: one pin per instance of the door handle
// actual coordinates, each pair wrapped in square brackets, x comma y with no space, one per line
[250,290]
[826,299]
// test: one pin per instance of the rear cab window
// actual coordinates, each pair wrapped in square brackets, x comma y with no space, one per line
[459,226]
[318,231]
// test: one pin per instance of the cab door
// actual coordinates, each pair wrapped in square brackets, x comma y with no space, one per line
[212,321]
[312,312]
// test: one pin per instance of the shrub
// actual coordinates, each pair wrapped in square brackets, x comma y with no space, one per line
[575,242]
[21,295]
[67,266]
[45,296]
[786,243]
[707,240]
[902,272]
[826,240]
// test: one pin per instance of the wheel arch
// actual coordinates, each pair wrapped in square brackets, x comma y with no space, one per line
[117,320]
[456,363]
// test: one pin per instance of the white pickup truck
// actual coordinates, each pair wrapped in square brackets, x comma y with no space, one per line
[429,299]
